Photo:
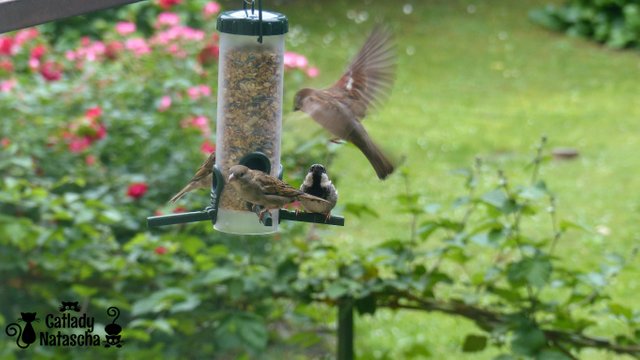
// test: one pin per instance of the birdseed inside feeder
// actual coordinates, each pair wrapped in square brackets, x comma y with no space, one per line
[249,118]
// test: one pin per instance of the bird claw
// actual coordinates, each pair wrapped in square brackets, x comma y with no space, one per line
[327,216]
[337,141]
[261,215]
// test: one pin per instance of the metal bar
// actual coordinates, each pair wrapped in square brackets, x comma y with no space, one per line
[181,218]
[17,14]
[345,329]
[305,217]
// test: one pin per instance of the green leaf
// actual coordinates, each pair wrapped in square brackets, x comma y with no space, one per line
[528,341]
[255,333]
[532,193]
[496,198]
[621,310]
[84,291]
[215,276]
[243,330]
[336,290]
[366,305]
[416,350]
[552,355]
[546,18]
[360,210]
[191,302]
[474,343]
[492,237]
[499,200]
[505,357]
[535,271]
[567,224]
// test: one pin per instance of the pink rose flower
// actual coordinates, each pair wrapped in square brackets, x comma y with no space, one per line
[125,28]
[25,35]
[199,91]
[79,144]
[7,85]
[207,147]
[138,46]
[94,112]
[211,8]
[313,72]
[168,19]
[165,103]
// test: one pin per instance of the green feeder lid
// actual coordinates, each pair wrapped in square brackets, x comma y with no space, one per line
[241,22]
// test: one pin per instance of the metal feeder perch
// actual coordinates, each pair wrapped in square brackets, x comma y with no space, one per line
[249,120]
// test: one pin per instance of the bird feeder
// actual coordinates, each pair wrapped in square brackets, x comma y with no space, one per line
[249,121]
[249,118]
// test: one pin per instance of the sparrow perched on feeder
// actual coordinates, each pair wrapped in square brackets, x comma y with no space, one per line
[341,108]
[201,180]
[262,189]
[317,183]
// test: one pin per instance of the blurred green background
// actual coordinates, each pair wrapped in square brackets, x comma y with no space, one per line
[474,79]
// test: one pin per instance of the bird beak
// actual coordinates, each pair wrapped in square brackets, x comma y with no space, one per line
[230,178]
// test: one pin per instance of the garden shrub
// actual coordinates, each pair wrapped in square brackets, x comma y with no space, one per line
[98,136]
[615,23]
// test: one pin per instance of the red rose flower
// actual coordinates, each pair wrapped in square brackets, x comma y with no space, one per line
[160,250]
[179,209]
[113,49]
[51,71]
[6,65]
[38,52]
[168,4]
[209,55]
[90,160]
[6,45]
[137,190]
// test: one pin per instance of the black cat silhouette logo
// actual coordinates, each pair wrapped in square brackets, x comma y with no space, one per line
[70,305]
[113,330]
[26,335]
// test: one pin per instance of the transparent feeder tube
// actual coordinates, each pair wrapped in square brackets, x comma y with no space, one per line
[249,119]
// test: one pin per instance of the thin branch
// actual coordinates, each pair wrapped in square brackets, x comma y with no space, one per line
[490,320]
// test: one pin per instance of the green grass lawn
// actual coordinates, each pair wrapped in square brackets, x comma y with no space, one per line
[477,78]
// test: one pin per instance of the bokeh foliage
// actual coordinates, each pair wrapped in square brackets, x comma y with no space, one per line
[615,23]
[68,230]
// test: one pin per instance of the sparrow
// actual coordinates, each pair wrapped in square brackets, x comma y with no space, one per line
[341,107]
[259,188]
[201,180]
[317,183]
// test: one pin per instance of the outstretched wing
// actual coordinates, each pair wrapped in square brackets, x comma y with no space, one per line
[368,79]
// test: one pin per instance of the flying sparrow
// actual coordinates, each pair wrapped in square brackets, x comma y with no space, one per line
[341,108]
[317,183]
[259,188]
[201,180]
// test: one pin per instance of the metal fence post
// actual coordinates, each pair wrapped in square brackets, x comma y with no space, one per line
[345,329]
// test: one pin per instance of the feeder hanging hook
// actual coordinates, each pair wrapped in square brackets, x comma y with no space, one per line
[253,8]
